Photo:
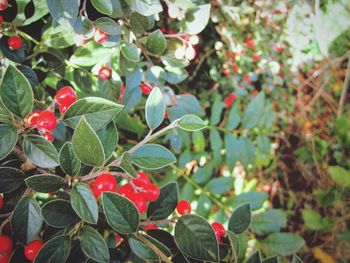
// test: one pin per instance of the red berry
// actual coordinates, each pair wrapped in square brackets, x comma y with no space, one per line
[48,136]
[118,239]
[104,73]
[146,89]
[5,259]
[219,230]
[5,245]
[150,227]
[32,118]
[256,57]
[138,200]
[66,96]
[46,121]
[183,207]
[230,100]
[142,179]
[32,249]
[122,89]
[166,115]
[63,108]
[1,20]
[3,4]
[125,189]
[1,201]
[14,42]
[150,192]
[100,36]
[104,183]
[250,43]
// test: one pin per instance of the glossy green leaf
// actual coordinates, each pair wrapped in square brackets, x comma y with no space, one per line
[45,183]
[107,25]
[10,179]
[142,250]
[234,245]
[70,164]
[93,245]
[166,203]
[240,219]
[55,250]
[126,165]
[16,93]
[64,12]
[83,26]
[234,117]
[130,51]
[196,238]
[283,243]
[196,19]
[84,203]
[152,156]
[268,222]
[8,139]
[146,8]
[191,122]
[59,213]
[26,220]
[253,112]
[155,108]
[86,144]
[40,151]
[5,114]
[221,185]
[108,136]
[139,23]
[121,214]
[103,6]
[156,43]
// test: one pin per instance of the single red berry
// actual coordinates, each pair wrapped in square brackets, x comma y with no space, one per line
[104,183]
[138,200]
[146,89]
[46,121]
[3,4]
[100,36]
[1,201]
[142,179]
[219,230]
[32,249]
[225,71]
[66,96]
[122,89]
[1,20]
[32,118]
[125,189]
[166,115]
[256,57]
[63,108]
[104,73]
[250,43]
[230,100]
[118,239]
[150,227]
[5,245]
[150,192]
[14,42]
[48,136]
[5,259]
[183,207]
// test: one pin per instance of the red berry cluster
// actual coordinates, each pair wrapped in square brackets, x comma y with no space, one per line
[45,121]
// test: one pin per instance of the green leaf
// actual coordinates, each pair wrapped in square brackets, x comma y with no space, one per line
[55,250]
[108,136]
[268,222]
[283,243]
[216,110]
[156,43]
[142,250]
[185,104]
[159,245]
[240,219]
[40,151]
[127,166]
[256,199]
[234,244]
[146,8]
[234,117]
[64,11]
[121,214]
[296,259]
[315,221]
[45,183]
[204,206]
[196,238]
[273,259]
[232,150]
[8,139]
[340,175]
[196,19]
[97,111]
[152,156]
[84,203]
[10,179]
[86,144]
[108,26]
[255,258]
[155,108]
[139,23]
[70,164]
[246,150]
[83,26]
[191,122]
[16,93]
[16,55]
[219,186]
[5,114]
[130,51]
[59,213]
[254,111]
[166,203]
[103,6]
[26,220]
[93,245]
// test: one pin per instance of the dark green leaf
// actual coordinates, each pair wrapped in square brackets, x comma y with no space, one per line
[273,259]
[108,136]
[83,26]
[162,248]
[139,23]
[16,93]
[82,79]
[283,243]
[156,43]
[219,186]
[216,110]
[5,114]
[191,122]
[196,238]
[121,214]
[253,112]
[142,250]
[59,213]
[56,250]
[64,12]
[26,220]
[155,108]
[256,199]
[130,51]
[30,75]
[84,203]
[40,151]
[108,26]
[240,219]
[103,6]
[93,245]
[86,145]
[126,164]
[234,245]
[10,179]
[8,139]
[234,117]
[45,183]
[152,156]
[70,164]
[166,202]
[270,221]
[255,258]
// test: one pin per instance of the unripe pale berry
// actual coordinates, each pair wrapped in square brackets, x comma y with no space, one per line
[32,249]
[183,207]
[14,42]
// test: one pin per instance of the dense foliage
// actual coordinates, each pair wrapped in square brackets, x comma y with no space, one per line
[174,131]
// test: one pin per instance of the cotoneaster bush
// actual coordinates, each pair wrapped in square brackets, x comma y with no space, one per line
[87,90]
